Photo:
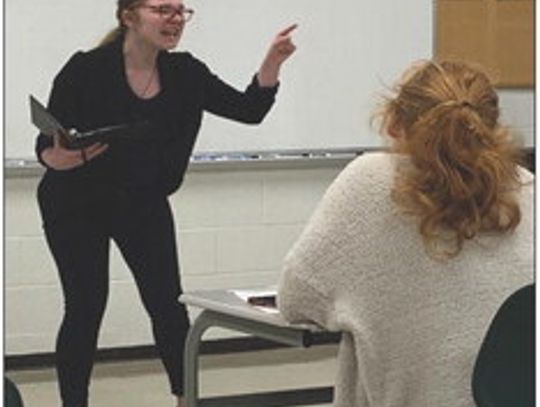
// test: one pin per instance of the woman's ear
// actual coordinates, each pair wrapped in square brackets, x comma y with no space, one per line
[127,18]
[395,130]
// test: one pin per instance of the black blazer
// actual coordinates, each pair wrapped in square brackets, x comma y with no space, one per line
[91,91]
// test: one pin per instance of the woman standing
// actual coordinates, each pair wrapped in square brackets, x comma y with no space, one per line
[120,190]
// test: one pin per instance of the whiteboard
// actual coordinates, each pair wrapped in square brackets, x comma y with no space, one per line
[348,53]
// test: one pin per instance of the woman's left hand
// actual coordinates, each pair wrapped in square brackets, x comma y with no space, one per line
[281,48]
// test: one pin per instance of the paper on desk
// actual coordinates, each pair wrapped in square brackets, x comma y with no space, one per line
[245,294]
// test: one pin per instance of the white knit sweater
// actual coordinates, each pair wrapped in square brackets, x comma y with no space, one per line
[412,325]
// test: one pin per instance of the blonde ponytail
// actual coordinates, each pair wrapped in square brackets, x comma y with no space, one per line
[111,36]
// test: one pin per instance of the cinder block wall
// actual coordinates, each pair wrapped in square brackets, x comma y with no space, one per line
[233,229]
[233,226]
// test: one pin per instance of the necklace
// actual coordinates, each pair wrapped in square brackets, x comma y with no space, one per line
[150,79]
[141,92]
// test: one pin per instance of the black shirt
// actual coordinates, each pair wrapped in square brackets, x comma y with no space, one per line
[92,91]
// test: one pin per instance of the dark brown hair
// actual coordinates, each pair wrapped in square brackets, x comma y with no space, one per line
[464,174]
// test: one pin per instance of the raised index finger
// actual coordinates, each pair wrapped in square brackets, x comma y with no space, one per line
[288,30]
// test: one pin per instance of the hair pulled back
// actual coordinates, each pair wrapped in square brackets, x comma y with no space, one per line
[115,33]
[464,174]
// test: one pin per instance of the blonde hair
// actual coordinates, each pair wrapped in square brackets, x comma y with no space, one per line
[464,174]
[120,30]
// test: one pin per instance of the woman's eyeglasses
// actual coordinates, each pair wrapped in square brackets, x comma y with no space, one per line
[166,11]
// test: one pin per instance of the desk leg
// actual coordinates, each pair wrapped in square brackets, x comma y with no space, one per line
[191,358]
[207,319]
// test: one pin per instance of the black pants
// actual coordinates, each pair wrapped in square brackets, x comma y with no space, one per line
[142,227]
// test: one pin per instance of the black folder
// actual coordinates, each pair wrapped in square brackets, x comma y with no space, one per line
[73,139]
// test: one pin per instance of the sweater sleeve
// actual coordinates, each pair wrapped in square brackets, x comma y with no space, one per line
[249,106]
[62,101]
[299,302]
[315,269]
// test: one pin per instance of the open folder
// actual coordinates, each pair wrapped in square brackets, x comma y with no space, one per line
[73,139]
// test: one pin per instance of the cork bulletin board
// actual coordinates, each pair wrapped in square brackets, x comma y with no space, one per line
[498,34]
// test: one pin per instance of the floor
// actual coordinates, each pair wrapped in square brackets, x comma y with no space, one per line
[143,383]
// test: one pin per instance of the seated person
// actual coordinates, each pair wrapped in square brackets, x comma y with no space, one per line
[410,253]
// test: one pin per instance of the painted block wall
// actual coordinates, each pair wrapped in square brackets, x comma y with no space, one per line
[233,226]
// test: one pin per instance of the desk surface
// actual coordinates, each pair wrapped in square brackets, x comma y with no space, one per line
[223,308]
[228,303]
